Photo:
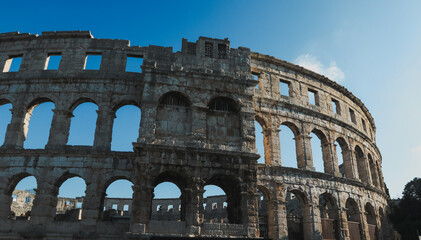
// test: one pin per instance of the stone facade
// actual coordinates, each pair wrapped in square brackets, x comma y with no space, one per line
[198,108]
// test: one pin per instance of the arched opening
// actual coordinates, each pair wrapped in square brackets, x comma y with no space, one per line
[267,228]
[374,177]
[83,124]
[294,202]
[173,116]
[38,123]
[125,128]
[71,192]
[22,195]
[167,203]
[215,204]
[223,122]
[371,221]
[359,158]
[354,219]
[346,167]
[5,112]
[317,153]
[260,142]
[231,189]
[329,215]
[117,202]
[287,134]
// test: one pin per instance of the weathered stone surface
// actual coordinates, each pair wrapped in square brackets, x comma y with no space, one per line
[198,111]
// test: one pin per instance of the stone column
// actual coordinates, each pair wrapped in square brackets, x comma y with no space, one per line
[330,165]
[343,224]
[147,125]
[5,200]
[280,220]
[59,131]
[335,161]
[366,171]
[308,225]
[141,207]
[91,206]
[104,128]
[15,134]
[274,146]
[45,203]
[250,218]
[349,164]
[304,155]
[365,235]
[194,207]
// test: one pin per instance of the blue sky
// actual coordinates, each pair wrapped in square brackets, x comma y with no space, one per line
[371,47]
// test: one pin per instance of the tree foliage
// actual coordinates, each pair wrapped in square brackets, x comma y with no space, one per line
[406,216]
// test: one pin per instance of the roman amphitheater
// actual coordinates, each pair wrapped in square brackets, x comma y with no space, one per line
[198,112]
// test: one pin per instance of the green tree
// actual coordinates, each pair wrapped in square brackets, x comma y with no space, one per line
[406,216]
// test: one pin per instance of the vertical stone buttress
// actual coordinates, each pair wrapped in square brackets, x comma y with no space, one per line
[59,131]
[15,135]
[303,148]
[104,128]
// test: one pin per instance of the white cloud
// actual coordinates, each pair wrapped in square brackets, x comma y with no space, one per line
[416,149]
[312,63]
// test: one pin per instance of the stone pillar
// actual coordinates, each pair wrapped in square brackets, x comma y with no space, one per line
[45,203]
[250,218]
[343,224]
[281,220]
[147,125]
[104,128]
[194,207]
[141,207]
[17,128]
[304,154]
[316,220]
[198,127]
[274,146]
[92,203]
[349,164]
[308,226]
[5,200]
[363,171]
[365,235]
[330,162]
[59,131]
[335,161]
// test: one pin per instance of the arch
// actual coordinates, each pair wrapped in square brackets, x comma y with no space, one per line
[296,217]
[232,189]
[225,104]
[125,128]
[69,200]
[173,117]
[80,101]
[329,216]
[6,113]
[215,204]
[174,98]
[288,144]
[353,211]
[126,102]
[266,218]
[171,205]
[116,201]
[346,167]
[37,123]
[371,221]
[84,122]
[320,151]
[21,198]
[374,177]
[361,166]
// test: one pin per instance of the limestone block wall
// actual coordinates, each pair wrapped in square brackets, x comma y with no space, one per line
[198,108]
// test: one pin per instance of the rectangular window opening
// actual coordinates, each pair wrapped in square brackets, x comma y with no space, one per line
[256,77]
[126,208]
[191,48]
[28,200]
[222,51]
[312,97]
[93,61]
[336,107]
[134,63]
[284,88]
[352,116]
[15,197]
[364,126]
[158,208]
[13,64]
[78,205]
[170,208]
[114,206]
[67,203]
[214,205]
[208,49]
[53,61]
